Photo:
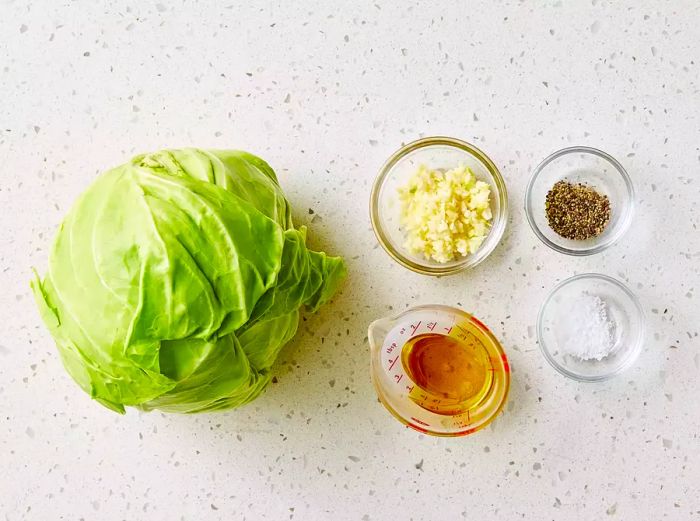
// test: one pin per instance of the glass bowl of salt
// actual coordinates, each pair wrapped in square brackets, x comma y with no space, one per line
[591,327]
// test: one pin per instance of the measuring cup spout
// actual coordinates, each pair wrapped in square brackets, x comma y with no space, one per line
[377,332]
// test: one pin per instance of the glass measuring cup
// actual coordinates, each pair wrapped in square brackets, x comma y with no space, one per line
[425,392]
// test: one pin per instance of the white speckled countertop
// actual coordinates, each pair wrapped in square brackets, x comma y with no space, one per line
[325,93]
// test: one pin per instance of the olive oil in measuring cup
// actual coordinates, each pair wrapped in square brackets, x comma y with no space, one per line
[450,373]
[439,370]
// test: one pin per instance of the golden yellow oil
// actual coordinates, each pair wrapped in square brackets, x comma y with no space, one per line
[451,374]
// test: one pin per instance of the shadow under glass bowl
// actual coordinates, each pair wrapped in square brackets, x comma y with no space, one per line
[439,153]
[593,168]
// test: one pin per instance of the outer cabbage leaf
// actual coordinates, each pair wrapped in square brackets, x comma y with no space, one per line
[175,280]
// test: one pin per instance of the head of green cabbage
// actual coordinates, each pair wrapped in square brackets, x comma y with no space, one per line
[175,280]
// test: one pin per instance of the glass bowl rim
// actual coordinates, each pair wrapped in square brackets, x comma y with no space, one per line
[498,224]
[636,349]
[621,228]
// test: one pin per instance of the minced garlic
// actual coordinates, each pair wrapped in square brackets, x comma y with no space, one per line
[444,214]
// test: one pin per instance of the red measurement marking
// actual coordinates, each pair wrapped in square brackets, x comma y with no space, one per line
[479,323]
[400,376]
[469,418]
[409,388]
[493,360]
[448,329]
[415,328]
[418,421]
[506,366]
[431,325]
[393,363]
[417,428]
[403,330]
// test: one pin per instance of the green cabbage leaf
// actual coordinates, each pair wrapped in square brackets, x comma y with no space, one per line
[175,280]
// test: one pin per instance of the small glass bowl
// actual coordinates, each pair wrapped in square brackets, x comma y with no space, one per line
[441,153]
[593,168]
[623,309]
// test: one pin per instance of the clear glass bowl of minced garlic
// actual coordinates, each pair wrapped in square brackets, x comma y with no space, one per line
[439,206]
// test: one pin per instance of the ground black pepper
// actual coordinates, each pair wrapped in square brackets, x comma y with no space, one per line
[577,211]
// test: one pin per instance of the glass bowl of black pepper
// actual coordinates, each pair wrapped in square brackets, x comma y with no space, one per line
[579,201]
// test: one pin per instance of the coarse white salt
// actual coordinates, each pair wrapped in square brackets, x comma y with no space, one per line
[584,329]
